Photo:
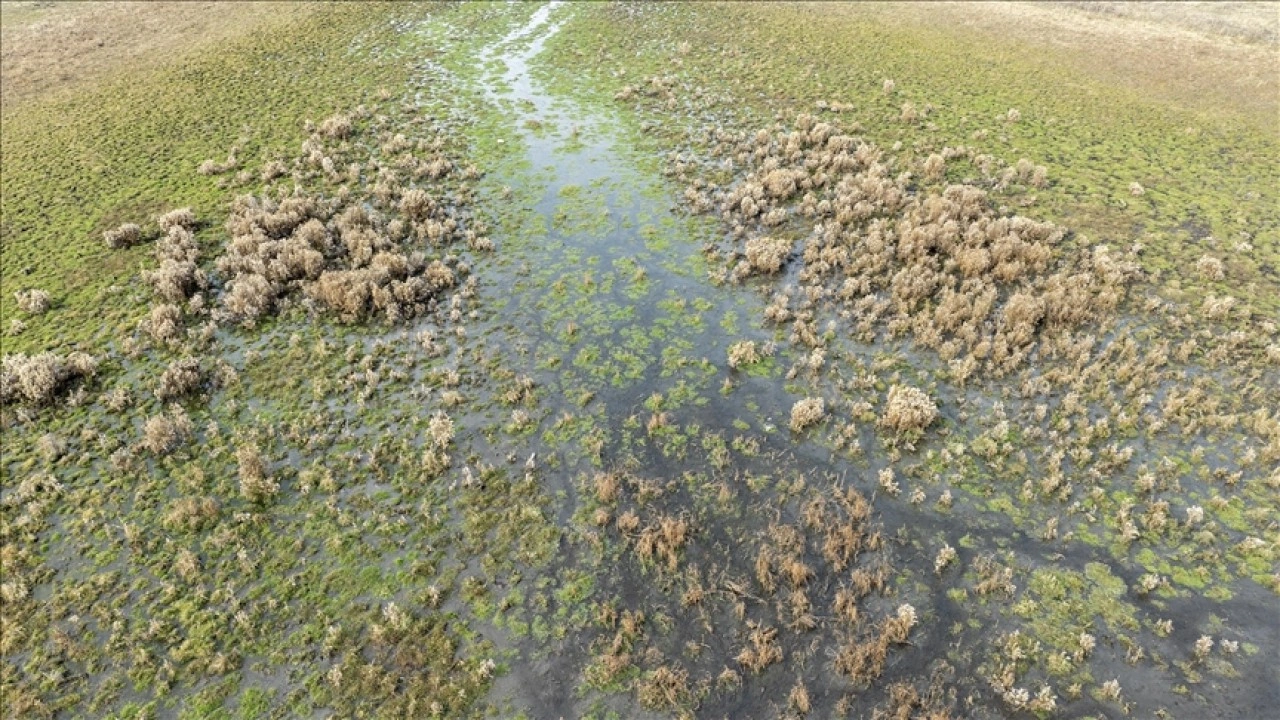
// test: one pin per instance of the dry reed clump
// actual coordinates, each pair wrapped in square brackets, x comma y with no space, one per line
[178,276]
[863,661]
[743,352]
[663,539]
[807,412]
[38,379]
[191,514]
[664,689]
[355,253]
[124,236]
[965,278]
[163,323]
[180,218]
[117,399]
[1211,267]
[33,301]
[181,377]
[256,485]
[766,254]
[908,408]
[163,433]
[762,649]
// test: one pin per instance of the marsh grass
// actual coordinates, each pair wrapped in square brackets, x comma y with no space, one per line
[385,495]
[103,155]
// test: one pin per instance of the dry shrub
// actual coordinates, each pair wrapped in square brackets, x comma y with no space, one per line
[934,167]
[417,204]
[781,184]
[1217,307]
[33,301]
[441,429]
[350,264]
[177,243]
[51,446]
[664,689]
[762,650]
[1020,317]
[940,265]
[337,126]
[180,218]
[766,254]
[163,433]
[255,485]
[163,323]
[117,399]
[181,377]
[806,412]
[250,297]
[272,170]
[1211,267]
[908,408]
[742,353]
[125,236]
[393,284]
[175,281]
[191,514]
[38,379]
[177,276]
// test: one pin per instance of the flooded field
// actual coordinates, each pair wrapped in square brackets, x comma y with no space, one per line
[568,379]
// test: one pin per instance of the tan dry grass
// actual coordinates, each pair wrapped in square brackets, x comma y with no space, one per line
[1214,58]
[47,48]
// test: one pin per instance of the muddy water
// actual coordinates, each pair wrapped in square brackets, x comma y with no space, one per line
[600,292]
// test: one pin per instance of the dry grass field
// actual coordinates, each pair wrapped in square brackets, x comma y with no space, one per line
[1209,57]
[52,47]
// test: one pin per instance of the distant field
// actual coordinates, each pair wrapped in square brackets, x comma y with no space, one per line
[51,47]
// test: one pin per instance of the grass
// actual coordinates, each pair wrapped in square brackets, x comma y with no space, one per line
[124,148]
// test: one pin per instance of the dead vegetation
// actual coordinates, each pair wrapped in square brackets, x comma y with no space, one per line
[977,285]
[256,485]
[39,379]
[354,253]
[163,433]
[807,412]
[182,377]
[124,236]
[907,409]
[33,301]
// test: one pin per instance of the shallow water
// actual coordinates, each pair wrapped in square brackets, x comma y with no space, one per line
[568,145]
